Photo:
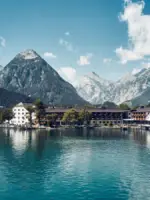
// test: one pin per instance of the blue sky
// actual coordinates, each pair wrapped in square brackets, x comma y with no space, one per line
[77,37]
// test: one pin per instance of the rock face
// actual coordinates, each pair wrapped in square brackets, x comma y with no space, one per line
[93,88]
[8,99]
[1,67]
[31,75]
[131,87]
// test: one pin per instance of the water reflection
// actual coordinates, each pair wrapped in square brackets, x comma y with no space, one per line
[21,141]
[74,164]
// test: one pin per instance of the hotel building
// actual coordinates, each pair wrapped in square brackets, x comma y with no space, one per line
[21,114]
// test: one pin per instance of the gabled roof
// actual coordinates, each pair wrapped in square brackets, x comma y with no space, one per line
[24,105]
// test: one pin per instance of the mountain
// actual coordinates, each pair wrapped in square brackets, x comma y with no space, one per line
[109,105]
[8,98]
[1,67]
[31,75]
[142,99]
[93,88]
[134,87]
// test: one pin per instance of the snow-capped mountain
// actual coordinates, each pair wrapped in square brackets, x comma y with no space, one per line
[132,86]
[1,67]
[93,88]
[31,75]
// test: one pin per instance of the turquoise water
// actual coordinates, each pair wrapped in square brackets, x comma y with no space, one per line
[74,165]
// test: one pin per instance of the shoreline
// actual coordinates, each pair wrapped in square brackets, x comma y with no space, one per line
[73,127]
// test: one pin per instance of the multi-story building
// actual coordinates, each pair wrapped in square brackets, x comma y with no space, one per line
[141,114]
[98,116]
[21,114]
[108,116]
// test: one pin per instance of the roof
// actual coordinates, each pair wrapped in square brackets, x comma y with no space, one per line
[142,110]
[62,110]
[24,104]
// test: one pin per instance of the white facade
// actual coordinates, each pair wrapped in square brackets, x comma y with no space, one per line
[148,116]
[21,115]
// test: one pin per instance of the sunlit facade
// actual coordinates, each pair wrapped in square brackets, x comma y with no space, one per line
[21,115]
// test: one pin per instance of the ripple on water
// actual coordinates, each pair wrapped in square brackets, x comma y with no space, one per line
[74,165]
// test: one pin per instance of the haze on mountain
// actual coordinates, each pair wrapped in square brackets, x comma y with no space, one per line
[31,75]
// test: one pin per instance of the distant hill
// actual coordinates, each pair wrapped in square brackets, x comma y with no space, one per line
[109,105]
[8,99]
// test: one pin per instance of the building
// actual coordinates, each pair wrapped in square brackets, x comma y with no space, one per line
[108,116]
[98,116]
[21,114]
[139,116]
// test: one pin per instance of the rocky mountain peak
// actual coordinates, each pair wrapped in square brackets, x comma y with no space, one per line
[28,54]
[30,74]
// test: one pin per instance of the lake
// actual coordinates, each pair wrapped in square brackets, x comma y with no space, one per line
[74,165]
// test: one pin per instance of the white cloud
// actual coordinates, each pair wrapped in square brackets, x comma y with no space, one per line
[2,41]
[49,55]
[67,33]
[85,60]
[66,44]
[107,60]
[126,55]
[68,73]
[138,32]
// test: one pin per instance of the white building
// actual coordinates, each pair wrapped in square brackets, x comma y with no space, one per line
[21,114]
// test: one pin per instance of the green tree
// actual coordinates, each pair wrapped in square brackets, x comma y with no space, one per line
[124,106]
[1,116]
[109,105]
[7,114]
[70,117]
[31,110]
[51,119]
[40,110]
[84,116]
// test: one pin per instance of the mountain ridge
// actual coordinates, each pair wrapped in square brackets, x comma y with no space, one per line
[131,86]
[29,74]
[8,98]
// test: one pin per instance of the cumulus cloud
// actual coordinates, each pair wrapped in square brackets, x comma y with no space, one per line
[66,44]
[126,55]
[107,60]
[85,60]
[138,32]
[68,73]
[2,41]
[49,55]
